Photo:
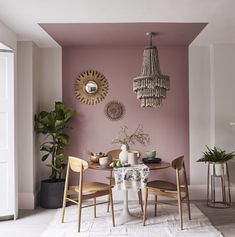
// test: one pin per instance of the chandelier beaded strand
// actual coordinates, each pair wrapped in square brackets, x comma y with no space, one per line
[151,85]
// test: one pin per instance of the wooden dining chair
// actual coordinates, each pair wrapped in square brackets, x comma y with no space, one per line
[113,155]
[167,189]
[84,190]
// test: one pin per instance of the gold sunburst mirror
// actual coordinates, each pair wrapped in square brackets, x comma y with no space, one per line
[91,87]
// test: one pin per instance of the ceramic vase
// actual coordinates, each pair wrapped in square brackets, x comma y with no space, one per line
[123,156]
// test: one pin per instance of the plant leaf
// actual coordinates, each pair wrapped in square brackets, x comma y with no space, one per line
[216,155]
[45,157]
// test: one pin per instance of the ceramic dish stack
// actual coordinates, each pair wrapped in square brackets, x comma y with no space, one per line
[151,157]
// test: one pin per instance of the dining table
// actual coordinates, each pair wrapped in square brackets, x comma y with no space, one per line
[126,216]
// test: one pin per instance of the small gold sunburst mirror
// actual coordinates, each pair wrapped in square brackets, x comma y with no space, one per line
[91,87]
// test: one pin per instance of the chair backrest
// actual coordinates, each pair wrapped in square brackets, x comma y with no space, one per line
[114,154]
[178,163]
[76,164]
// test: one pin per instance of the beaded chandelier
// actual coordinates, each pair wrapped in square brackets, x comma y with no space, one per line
[151,85]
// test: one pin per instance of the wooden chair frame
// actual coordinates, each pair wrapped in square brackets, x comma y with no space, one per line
[79,166]
[178,165]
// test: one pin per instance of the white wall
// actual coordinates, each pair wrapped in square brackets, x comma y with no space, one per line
[211,103]
[7,36]
[50,77]
[28,75]
[40,83]
[224,72]
[199,116]
[50,85]
[199,109]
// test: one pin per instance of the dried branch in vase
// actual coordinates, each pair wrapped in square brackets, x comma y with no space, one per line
[139,136]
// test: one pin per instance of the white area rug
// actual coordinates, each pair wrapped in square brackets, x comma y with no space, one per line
[166,224]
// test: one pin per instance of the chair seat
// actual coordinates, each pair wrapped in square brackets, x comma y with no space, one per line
[162,185]
[94,187]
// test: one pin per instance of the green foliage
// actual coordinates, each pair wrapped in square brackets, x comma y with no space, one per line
[51,125]
[216,155]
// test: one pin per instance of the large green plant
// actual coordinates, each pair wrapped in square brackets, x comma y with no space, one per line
[216,155]
[51,125]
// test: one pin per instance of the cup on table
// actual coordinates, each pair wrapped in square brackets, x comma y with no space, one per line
[133,157]
[104,161]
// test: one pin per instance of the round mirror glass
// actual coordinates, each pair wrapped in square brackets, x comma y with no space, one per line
[91,87]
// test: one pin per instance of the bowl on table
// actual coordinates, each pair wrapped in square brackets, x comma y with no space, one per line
[94,157]
[104,161]
[151,154]
[152,161]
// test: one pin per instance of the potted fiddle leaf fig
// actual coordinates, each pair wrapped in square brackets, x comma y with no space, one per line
[52,126]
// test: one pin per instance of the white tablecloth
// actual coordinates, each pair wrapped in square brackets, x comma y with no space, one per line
[132,177]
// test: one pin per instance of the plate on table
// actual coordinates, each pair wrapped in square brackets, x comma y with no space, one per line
[151,161]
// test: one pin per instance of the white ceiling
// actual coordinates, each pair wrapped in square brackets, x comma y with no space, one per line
[23,16]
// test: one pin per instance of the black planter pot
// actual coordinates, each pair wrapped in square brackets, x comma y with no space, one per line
[51,194]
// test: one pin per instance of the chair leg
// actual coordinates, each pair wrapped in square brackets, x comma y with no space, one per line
[155,206]
[94,207]
[111,203]
[79,212]
[145,206]
[188,205]
[63,207]
[108,205]
[139,196]
[140,199]
[110,183]
[180,210]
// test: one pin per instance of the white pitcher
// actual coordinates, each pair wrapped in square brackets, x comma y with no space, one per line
[133,157]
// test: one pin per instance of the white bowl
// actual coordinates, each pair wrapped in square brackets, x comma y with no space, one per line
[104,161]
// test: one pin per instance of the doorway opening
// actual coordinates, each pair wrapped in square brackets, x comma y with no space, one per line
[8,197]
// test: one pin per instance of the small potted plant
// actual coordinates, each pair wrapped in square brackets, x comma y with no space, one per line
[216,156]
[51,125]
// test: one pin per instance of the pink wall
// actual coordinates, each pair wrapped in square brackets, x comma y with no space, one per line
[167,126]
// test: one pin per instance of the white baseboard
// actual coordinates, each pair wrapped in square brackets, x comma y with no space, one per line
[27,200]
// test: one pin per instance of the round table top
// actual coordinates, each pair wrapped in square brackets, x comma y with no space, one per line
[153,166]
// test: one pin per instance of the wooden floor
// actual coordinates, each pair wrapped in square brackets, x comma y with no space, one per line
[222,219]
[33,222]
